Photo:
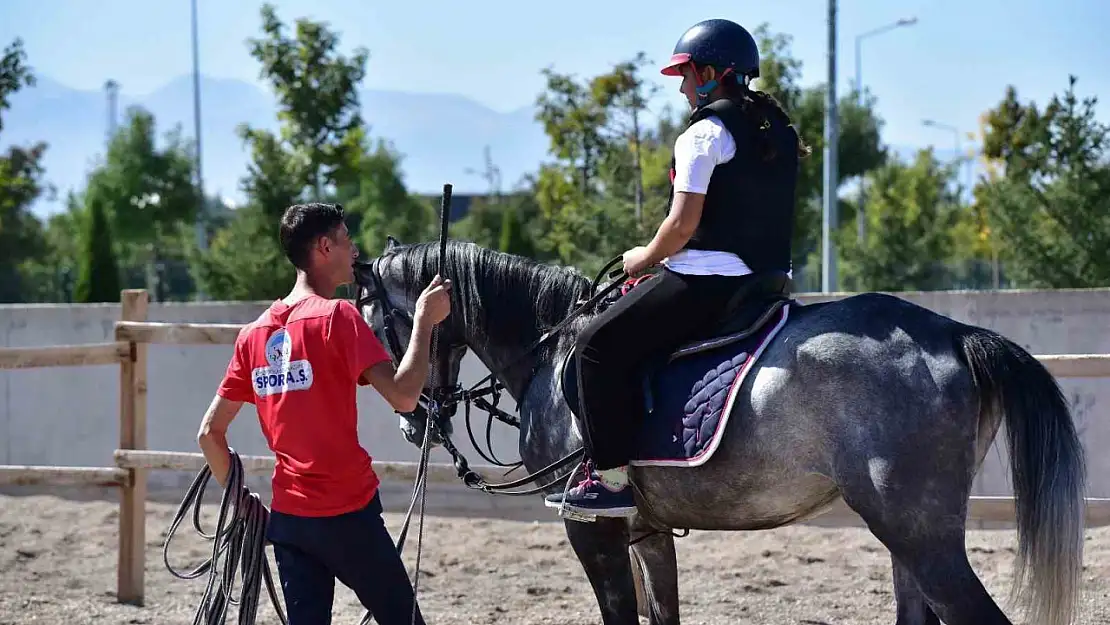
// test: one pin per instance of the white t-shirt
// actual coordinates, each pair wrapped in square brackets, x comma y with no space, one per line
[703,146]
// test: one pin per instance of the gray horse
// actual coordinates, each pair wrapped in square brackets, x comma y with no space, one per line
[869,399]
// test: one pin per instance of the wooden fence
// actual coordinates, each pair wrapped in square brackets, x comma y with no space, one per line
[133,333]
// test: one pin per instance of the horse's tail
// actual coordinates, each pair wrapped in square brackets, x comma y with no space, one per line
[1047,466]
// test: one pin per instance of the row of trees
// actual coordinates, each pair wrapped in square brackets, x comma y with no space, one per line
[1038,218]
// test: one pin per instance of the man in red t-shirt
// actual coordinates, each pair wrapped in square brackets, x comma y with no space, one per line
[300,364]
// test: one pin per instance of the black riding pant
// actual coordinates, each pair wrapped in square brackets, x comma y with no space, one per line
[654,318]
[311,552]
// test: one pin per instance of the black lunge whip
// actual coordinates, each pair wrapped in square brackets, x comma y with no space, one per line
[433,414]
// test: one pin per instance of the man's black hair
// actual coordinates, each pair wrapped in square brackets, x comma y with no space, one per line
[303,224]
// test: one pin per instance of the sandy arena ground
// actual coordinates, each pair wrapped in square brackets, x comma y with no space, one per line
[58,565]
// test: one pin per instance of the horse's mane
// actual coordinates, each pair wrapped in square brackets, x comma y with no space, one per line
[509,298]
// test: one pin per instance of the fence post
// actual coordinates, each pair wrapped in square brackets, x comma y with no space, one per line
[132,435]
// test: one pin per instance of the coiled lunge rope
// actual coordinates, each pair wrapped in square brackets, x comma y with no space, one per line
[240,538]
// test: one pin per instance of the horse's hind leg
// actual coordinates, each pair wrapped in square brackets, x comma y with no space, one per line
[602,548]
[946,580]
[912,607]
[920,516]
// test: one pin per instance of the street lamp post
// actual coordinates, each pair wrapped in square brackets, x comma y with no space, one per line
[995,270]
[956,138]
[832,132]
[906,21]
[200,226]
[112,87]
[861,219]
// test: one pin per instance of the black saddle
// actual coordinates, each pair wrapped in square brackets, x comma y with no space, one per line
[753,305]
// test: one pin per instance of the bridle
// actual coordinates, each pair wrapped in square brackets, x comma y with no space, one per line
[390,315]
[447,397]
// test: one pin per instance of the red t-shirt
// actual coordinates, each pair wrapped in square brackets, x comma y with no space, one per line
[300,366]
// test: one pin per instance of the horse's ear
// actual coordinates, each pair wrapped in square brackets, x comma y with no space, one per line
[391,242]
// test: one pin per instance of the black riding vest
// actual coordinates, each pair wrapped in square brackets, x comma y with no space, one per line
[749,205]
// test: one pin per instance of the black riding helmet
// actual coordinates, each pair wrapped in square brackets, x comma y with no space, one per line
[723,44]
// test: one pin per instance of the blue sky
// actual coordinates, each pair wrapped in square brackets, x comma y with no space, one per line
[950,66]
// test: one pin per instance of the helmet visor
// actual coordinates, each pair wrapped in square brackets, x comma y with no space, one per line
[673,67]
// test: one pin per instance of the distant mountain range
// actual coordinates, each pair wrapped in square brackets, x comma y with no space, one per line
[439,135]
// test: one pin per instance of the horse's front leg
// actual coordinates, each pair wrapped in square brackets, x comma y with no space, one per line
[654,557]
[602,548]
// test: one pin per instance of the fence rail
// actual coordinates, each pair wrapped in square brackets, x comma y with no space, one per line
[28,475]
[63,355]
[438,473]
[156,332]
[133,333]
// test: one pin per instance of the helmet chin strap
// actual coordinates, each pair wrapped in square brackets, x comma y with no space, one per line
[703,89]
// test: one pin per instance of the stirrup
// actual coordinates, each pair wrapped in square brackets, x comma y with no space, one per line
[564,511]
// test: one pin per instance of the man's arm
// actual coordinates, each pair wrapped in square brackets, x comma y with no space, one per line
[234,390]
[212,436]
[401,386]
[370,362]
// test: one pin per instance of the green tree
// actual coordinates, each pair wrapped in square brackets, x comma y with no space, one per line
[244,259]
[51,278]
[318,108]
[594,200]
[573,120]
[509,222]
[318,103]
[275,178]
[149,198]
[658,152]
[514,237]
[565,189]
[146,191]
[859,148]
[485,217]
[482,223]
[98,275]
[623,94]
[567,218]
[14,74]
[21,184]
[1050,207]
[912,212]
[320,153]
[378,201]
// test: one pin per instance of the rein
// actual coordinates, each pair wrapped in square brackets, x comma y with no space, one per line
[440,397]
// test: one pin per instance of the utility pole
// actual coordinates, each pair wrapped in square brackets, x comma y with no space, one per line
[959,158]
[828,218]
[965,161]
[112,88]
[201,225]
[861,218]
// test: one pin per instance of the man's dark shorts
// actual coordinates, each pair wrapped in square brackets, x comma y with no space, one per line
[356,549]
